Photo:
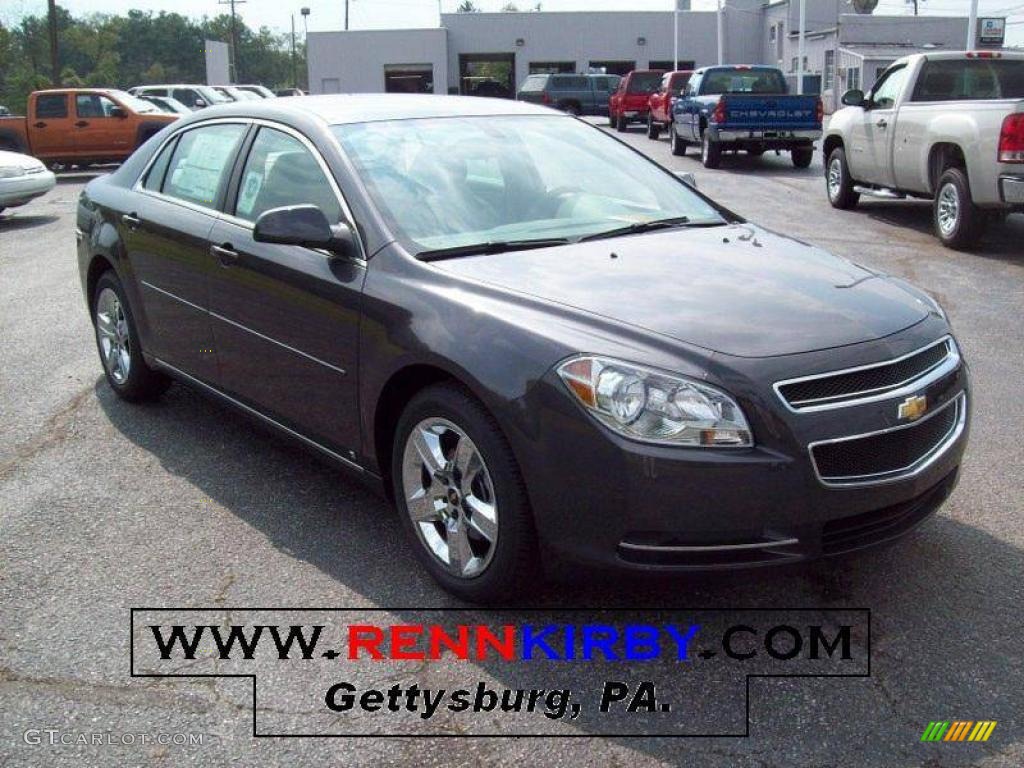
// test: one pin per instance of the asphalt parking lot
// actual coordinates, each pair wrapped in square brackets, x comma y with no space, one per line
[105,506]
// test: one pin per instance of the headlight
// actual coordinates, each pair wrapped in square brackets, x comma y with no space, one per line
[657,407]
[10,172]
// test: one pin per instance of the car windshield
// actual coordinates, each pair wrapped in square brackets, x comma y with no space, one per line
[743,81]
[445,183]
[212,95]
[134,104]
[644,82]
[534,84]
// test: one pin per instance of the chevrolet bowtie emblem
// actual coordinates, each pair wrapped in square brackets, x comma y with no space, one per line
[913,407]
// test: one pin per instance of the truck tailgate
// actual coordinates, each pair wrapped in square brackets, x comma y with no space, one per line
[781,112]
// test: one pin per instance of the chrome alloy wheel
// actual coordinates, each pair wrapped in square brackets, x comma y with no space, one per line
[450,497]
[835,178]
[948,209]
[113,335]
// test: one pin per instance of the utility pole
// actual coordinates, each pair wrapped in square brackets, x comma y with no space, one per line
[54,53]
[346,14]
[295,62]
[800,47]
[235,57]
[721,33]
[972,26]
[675,36]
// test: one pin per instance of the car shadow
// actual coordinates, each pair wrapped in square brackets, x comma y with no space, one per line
[942,642]
[10,222]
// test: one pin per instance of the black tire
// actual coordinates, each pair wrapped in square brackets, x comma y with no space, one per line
[142,382]
[967,225]
[620,124]
[677,141]
[710,151]
[840,189]
[802,156]
[512,566]
[571,109]
[611,119]
[653,129]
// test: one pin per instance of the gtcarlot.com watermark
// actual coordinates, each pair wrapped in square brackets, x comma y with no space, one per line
[56,737]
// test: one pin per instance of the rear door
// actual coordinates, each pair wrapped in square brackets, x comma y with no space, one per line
[872,133]
[50,128]
[167,234]
[98,133]
[286,318]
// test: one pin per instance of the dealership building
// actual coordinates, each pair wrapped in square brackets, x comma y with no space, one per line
[492,53]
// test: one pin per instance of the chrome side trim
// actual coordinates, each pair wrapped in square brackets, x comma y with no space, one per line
[260,415]
[279,343]
[708,548]
[903,473]
[949,364]
[246,328]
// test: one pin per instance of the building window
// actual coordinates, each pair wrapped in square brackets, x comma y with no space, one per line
[552,67]
[620,68]
[830,69]
[852,78]
[771,34]
[409,78]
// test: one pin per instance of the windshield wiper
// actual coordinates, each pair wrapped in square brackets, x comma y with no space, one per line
[491,246]
[649,226]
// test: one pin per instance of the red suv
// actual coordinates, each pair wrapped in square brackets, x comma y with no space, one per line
[629,103]
[660,104]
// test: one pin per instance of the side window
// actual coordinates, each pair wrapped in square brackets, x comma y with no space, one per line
[186,96]
[281,171]
[93,105]
[155,176]
[200,162]
[52,106]
[888,88]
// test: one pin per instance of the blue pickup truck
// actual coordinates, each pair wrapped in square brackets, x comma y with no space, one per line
[739,107]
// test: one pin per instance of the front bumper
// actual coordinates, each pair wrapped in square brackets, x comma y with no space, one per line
[21,189]
[606,501]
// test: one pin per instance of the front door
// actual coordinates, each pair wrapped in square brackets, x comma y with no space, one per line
[871,137]
[167,239]
[286,318]
[98,133]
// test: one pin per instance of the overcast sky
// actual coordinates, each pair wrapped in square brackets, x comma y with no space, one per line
[382,14]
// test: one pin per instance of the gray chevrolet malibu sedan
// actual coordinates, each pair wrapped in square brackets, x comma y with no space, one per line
[541,345]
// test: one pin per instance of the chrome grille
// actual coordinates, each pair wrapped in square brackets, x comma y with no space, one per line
[837,389]
[889,454]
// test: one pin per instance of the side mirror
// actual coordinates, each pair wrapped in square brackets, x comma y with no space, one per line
[118,112]
[199,103]
[304,225]
[687,178]
[853,98]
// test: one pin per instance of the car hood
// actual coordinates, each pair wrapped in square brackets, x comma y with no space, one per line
[738,289]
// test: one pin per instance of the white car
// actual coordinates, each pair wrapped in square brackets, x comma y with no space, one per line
[22,178]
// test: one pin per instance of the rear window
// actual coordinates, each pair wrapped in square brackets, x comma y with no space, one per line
[678,82]
[534,84]
[644,82]
[970,79]
[743,81]
[568,83]
[52,105]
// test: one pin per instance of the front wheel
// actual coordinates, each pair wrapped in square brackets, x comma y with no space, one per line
[710,151]
[117,340]
[461,497]
[958,221]
[838,183]
[678,144]
[802,156]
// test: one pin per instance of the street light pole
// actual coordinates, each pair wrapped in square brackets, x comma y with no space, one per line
[972,26]
[800,47]
[295,61]
[675,36]
[721,33]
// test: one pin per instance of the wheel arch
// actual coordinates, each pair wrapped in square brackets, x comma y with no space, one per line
[98,264]
[830,144]
[941,156]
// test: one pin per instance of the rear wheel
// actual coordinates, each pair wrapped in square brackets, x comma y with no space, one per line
[620,124]
[802,156]
[461,497]
[838,182]
[653,129]
[710,151]
[117,340]
[571,109]
[678,144]
[958,221]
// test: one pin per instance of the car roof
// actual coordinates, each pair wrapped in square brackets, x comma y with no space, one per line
[338,109]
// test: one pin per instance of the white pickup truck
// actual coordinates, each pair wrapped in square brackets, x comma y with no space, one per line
[947,126]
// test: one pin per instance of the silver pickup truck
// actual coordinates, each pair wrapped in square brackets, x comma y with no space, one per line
[947,126]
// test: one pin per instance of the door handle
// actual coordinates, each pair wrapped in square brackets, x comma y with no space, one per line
[131,221]
[81,124]
[40,124]
[225,253]
[882,122]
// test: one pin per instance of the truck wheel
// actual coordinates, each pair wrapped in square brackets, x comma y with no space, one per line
[620,124]
[802,156]
[611,119]
[838,182]
[570,109]
[958,221]
[710,151]
[653,129]
[678,145]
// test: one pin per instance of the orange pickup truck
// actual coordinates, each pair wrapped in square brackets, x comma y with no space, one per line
[82,126]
